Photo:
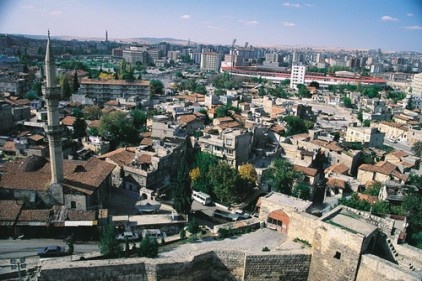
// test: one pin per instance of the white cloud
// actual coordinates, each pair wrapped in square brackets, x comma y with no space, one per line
[56,13]
[186,17]
[249,22]
[292,5]
[409,15]
[309,5]
[288,24]
[413,27]
[389,19]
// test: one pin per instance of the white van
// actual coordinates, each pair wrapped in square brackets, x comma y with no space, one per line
[201,197]
[153,233]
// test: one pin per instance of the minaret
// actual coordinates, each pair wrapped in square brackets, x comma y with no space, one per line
[54,129]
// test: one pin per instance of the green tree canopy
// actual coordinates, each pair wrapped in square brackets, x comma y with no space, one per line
[295,125]
[109,246]
[303,91]
[203,162]
[417,149]
[181,187]
[65,88]
[347,102]
[75,84]
[139,118]
[92,112]
[115,127]
[282,175]
[148,247]
[226,110]
[226,183]
[156,87]
[79,128]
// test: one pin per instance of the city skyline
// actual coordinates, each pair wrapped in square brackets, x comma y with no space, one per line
[386,24]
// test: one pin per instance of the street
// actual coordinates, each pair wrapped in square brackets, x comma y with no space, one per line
[11,249]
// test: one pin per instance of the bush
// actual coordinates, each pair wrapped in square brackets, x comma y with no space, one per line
[148,247]
[265,249]
[182,234]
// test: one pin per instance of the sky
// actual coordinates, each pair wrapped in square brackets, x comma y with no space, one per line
[392,25]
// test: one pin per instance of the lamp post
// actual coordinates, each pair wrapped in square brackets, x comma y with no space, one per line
[19,264]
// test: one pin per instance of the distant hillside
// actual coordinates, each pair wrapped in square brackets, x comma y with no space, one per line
[140,40]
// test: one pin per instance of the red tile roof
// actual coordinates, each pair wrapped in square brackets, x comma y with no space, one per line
[9,210]
[338,183]
[68,121]
[306,170]
[338,168]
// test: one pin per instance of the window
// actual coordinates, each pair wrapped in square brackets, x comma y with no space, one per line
[337,255]
[73,204]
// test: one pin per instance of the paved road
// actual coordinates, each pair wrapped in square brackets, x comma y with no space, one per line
[27,249]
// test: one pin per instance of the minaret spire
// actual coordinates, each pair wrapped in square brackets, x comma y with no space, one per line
[54,129]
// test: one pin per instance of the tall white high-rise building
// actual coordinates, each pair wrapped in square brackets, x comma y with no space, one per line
[210,61]
[417,85]
[297,76]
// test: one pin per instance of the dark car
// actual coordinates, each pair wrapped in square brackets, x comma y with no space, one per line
[51,251]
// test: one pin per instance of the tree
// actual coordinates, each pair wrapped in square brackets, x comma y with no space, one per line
[92,112]
[226,183]
[373,189]
[139,118]
[282,175]
[156,87]
[366,123]
[193,226]
[417,149]
[203,161]
[314,84]
[79,128]
[75,84]
[248,173]
[65,88]
[109,246]
[226,110]
[181,187]
[115,127]
[303,91]
[295,125]
[302,191]
[347,102]
[148,247]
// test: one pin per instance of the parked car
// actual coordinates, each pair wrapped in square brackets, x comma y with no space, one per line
[129,235]
[51,251]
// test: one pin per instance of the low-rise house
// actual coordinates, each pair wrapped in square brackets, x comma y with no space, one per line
[147,167]
[86,183]
[394,131]
[371,137]
[381,172]
[310,175]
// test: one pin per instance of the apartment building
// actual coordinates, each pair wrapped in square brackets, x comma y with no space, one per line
[417,85]
[394,131]
[210,61]
[368,136]
[231,145]
[102,91]
[297,75]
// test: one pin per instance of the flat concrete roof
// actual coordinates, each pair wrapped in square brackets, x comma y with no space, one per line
[352,222]
[288,201]
[145,220]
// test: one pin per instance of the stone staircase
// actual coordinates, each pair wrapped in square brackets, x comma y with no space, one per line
[400,259]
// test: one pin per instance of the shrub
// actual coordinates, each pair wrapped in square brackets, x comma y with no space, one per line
[265,249]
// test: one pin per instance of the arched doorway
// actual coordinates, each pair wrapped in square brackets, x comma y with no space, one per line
[279,221]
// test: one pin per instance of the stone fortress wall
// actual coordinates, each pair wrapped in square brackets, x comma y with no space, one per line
[213,265]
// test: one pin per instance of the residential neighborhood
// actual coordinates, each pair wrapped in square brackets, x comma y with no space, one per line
[117,137]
